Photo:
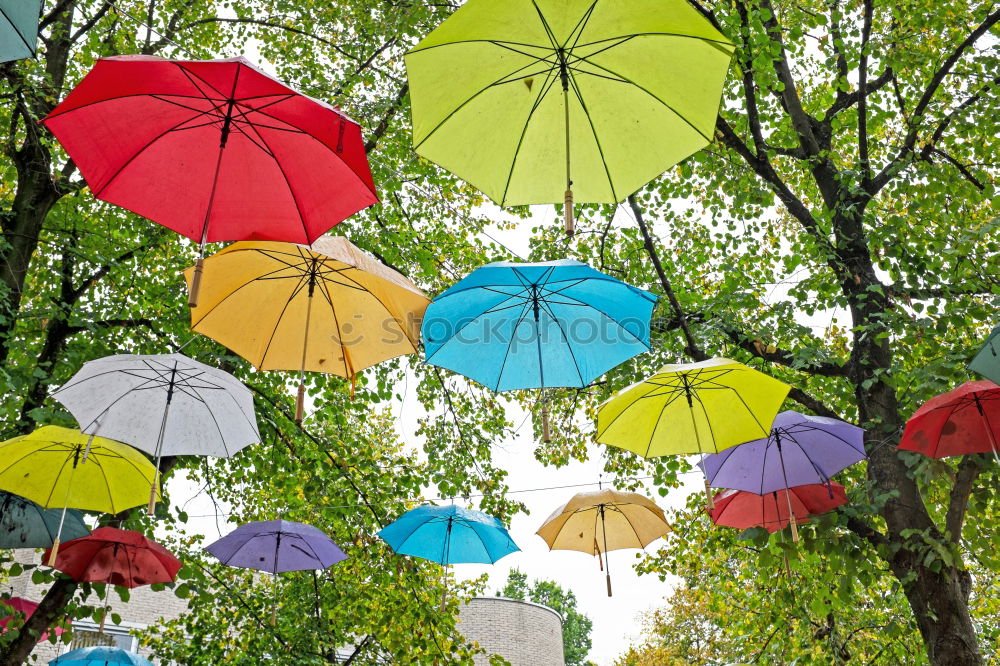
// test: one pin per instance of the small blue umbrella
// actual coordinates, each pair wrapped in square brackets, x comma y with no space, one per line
[18,28]
[24,524]
[449,535]
[100,656]
[511,325]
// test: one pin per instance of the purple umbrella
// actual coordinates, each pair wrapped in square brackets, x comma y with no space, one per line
[799,451]
[277,546]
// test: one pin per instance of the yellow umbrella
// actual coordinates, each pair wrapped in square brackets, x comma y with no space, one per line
[328,307]
[692,408]
[604,520]
[59,467]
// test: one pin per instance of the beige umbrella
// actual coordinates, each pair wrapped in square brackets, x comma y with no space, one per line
[604,520]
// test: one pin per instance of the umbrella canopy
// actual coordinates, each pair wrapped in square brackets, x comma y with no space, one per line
[18,28]
[27,608]
[743,510]
[604,520]
[328,307]
[215,149]
[799,450]
[24,524]
[529,100]
[49,466]
[277,546]
[449,535]
[117,557]
[100,656]
[987,361]
[163,404]
[965,420]
[691,408]
[512,325]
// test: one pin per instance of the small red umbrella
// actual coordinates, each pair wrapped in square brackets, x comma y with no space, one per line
[743,510]
[966,420]
[116,557]
[214,149]
[25,607]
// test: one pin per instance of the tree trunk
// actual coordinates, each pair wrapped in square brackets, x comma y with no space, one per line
[36,194]
[940,605]
[48,611]
[938,599]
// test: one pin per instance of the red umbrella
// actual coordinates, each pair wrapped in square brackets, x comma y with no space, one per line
[214,149]
[118,557]
[26,608]
[741,509]
[966,420]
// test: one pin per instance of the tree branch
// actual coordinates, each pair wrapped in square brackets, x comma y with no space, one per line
[910,141]
[383,125]
[866,32]
[693,349]
[958,501]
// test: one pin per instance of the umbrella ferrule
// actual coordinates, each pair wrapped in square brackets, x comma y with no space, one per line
[563,68]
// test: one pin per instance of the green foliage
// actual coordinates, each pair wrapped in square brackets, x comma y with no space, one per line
[576,626]
[855,260]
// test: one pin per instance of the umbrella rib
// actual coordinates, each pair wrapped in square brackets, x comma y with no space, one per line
[288,184]
[708,420]
[24,39]
[348,365]
[593,131]
[513,334]
[650,94]
[461,106]
[107,483]
[596,309]
[543,90]
[265,276]
[652,388]
[296,290]
[55,482]
[576,363]
[345,119]
[472,320]
[496,42]
[361,287]
[707,40]
[136,155]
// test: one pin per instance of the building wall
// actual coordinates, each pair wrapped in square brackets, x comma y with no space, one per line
[144,607]
[523,633]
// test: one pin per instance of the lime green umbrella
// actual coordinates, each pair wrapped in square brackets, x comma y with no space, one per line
[544,101]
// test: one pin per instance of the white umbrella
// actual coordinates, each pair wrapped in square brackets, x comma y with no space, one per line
[164,404]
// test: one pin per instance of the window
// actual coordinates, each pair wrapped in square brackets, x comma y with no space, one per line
[85,634]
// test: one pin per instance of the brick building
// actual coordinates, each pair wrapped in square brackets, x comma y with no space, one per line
[144,607]
[523,633]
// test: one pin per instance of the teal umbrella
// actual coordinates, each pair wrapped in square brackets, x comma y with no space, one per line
[18,28]
[24,524]
[987,361]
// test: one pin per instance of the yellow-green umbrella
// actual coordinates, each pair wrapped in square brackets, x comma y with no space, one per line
[544,101]
[604,520]
[692,408]
[326,307]
[59,467]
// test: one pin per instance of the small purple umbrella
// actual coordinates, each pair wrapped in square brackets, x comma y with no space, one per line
[277,546]
[800,450]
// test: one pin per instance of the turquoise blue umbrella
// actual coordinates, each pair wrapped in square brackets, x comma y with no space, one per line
[100,656]
[18,28]
[449,535]
[987,361]
[512,325]
[24,524]
[553,324]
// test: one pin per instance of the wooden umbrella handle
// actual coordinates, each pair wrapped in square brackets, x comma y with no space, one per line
[568,217]
[300,404]
[199,266]
[54,552]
